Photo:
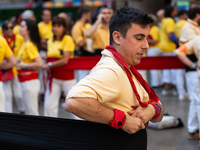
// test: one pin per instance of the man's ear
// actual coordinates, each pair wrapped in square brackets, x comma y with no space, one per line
[117,37]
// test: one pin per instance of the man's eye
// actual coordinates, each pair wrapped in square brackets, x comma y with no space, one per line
[139,39]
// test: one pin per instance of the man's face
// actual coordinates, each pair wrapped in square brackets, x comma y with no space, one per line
[106,15]
[133,46]
[46,16]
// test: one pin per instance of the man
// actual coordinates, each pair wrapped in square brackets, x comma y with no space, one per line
[45,27]
[12,87]
[78,35]
[99,31]
[180,73]
[106,95]
[7,61]
[45,31]
[188,32]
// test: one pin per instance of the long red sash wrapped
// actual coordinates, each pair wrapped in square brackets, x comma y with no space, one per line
[60,73]
[27,75]
[152,95]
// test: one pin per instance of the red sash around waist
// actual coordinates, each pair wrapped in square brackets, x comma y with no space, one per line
[60,72]
[27,75]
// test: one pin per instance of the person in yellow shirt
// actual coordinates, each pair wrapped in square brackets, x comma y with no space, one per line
[12,88]
[114,92]
[99,31]
[60,50]
[167,44]
[45,27]
[28,63]
[154,50]
[45,31]
[7,61]
[180,73]
[80,40]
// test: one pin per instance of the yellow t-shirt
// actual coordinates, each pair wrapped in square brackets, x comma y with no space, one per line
[17,43]
[5,50]
[166,44]
[108,83]
[45,30]
[1,31]
[28,52]
[56,48]
[154,32]
[78,33]
[178,27]
[16,29]
[101,38]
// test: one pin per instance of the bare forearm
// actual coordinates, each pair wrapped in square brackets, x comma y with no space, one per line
[89,109]
[90,32]
[8,63]
[185,60]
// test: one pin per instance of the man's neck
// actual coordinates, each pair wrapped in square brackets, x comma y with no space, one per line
[106,25]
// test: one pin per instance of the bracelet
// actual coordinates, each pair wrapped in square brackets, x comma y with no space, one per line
[118,120]
[157,108]
[193,65]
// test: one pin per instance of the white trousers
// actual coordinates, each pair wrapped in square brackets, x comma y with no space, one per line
[42,74]
[80,74]
[51,101]
[2,98]
[194,108]
[30,92]
[155,75]
[180,84]
[12,90]
[169,75]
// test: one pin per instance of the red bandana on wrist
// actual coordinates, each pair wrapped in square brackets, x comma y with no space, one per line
[152,95]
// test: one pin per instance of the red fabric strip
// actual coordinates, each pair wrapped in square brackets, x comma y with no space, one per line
[147,63]
[27,75]
[11,40]
[152,95]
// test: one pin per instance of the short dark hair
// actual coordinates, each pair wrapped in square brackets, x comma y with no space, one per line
[182,11]
[193,11]
[5,24]
[80,12]
[123,19]
[168,11]
[34,32]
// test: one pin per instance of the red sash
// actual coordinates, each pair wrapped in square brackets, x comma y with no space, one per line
[9,42]
[8,75]
[152,95]
[60,73]
[27,75]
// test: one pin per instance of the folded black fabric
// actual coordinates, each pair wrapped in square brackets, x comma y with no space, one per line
[37,132]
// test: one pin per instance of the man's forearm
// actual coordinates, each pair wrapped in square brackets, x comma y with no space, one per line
[90,32]
[161,114]
[89,109]
[8,63]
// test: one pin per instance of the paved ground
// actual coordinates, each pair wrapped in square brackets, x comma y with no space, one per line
[167,139]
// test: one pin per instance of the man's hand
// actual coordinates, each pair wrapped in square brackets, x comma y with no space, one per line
[132,124]
[145,114]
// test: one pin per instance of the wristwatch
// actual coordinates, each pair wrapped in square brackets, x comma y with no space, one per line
[49,64]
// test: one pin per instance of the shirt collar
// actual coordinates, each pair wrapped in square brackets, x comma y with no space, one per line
[193,22]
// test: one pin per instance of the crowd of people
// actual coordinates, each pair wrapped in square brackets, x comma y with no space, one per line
[34,55]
